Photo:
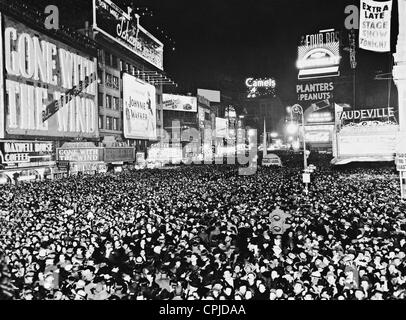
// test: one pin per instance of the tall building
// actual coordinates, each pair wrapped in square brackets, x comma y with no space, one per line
[82,100]
[34,121]
[130,66]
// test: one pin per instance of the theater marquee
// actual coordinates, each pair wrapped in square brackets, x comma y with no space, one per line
[38,71]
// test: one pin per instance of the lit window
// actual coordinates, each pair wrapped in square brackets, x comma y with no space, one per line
[108,102]
[100,122]
[115,124]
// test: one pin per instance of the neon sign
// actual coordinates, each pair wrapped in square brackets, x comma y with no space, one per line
[260,87]
[319,55]
[38,70]
[261,83]
[120,26]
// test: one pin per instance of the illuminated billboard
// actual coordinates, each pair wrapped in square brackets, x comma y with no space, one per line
[314,91]
[322,116]
[319,133]
[176,102]
[18,153]
[221,127]
[368,114]
[121,27]
[260,87]
[50,69]
[139,109]
[366,141]
[319,55]
[211,95]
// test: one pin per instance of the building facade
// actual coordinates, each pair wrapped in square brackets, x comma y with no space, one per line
[34,120]
[82,101]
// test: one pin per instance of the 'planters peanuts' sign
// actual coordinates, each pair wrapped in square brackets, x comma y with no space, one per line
[39,70]
[119,26]
[314,91]
[319,55]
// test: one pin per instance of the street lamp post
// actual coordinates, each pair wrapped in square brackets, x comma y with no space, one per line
[299,110]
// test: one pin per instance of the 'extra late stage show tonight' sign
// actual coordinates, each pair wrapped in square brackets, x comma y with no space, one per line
[375,23]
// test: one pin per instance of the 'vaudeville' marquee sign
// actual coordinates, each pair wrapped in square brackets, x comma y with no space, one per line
[39,70]
[119,26]
[368,114]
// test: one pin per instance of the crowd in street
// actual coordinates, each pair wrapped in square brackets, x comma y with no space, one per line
[202,232]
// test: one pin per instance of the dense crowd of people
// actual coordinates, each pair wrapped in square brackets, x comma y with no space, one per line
[202,232]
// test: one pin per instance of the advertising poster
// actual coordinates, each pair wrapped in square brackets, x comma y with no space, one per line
[119,154]
[211,95]
[119,26]
[80,154]
[139,107]
[319,133]
[51,69]
[179,103]
[221,127]
[319,55]
[314,91]
[322,116]
[201,117]
[375,23]
[17,154]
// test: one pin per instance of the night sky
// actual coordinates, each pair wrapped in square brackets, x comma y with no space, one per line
[221,42]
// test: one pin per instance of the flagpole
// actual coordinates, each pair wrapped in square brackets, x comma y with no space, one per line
[389,81]
[264,139]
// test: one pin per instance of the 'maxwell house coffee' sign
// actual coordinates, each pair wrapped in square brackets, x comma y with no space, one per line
[119,26]
[38,71]
[25,153]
